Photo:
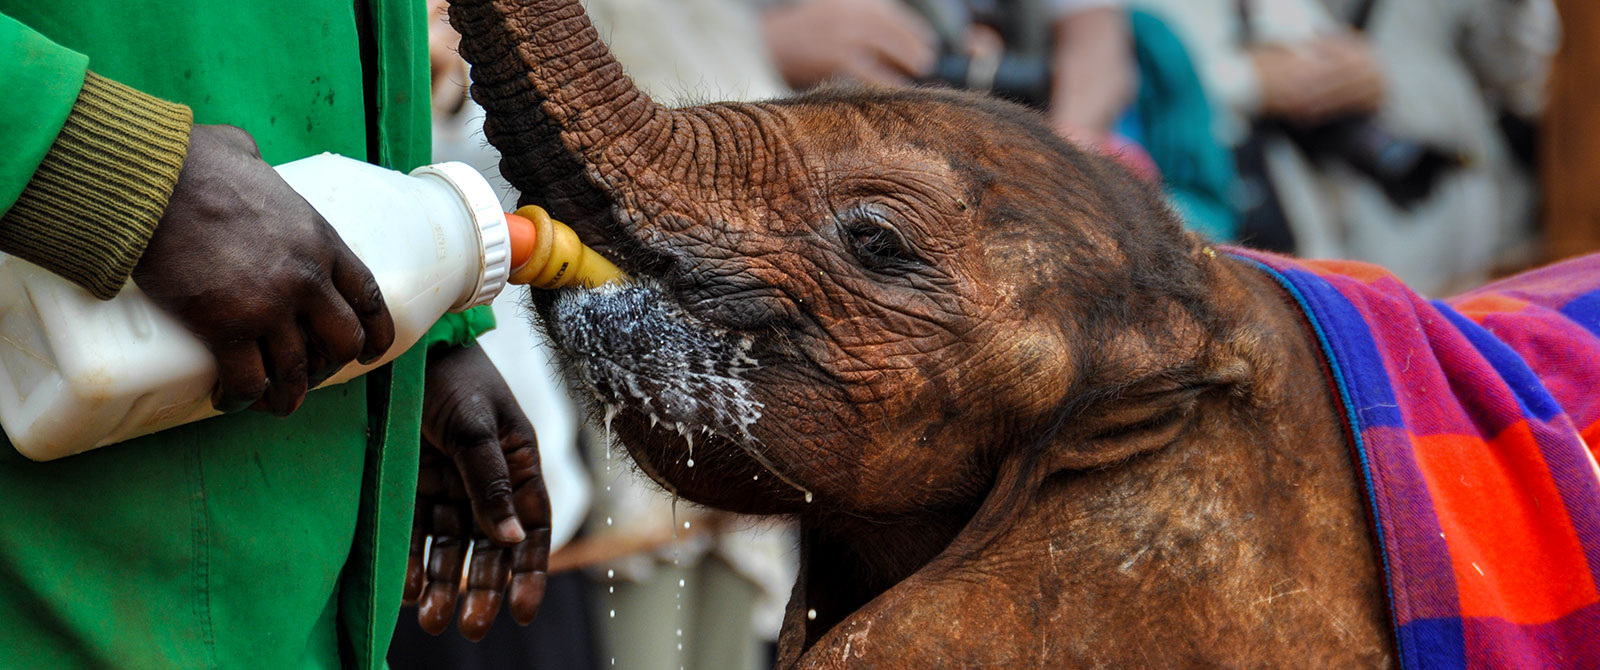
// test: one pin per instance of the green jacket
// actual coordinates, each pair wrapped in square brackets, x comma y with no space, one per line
[243,541]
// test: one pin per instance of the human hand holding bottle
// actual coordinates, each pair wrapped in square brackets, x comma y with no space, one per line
[248,266]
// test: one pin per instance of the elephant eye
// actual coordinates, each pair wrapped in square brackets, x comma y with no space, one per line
[875,243]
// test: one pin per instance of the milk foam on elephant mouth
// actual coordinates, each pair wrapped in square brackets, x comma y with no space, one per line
[630,344]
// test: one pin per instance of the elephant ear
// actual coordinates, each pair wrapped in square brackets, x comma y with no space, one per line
[573,130]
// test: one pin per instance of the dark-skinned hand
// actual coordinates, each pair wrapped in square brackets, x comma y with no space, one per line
[251,269]
[479,486]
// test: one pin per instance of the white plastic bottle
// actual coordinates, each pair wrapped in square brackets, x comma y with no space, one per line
[78,373]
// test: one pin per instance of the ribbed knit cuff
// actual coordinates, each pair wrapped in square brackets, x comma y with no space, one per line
[90,208]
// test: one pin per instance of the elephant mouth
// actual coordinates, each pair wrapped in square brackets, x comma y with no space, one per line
[675,380]
[632,345]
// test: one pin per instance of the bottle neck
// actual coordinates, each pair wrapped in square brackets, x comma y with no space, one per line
[488,225]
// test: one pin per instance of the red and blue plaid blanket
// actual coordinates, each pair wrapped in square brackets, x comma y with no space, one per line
[1471,421]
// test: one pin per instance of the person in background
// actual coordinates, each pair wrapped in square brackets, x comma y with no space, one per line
[271,539]
[881,42]
[1095,75]
[1436,78]
[1092,76]
[1127,93]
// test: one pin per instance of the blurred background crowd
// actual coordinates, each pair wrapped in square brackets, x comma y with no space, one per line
[1447,140]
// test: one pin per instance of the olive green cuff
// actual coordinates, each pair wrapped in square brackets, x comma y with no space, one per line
[94,201]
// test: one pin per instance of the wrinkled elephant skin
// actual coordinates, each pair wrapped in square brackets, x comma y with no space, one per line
[1039,424]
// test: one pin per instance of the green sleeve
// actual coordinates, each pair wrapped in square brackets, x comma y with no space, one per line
[41,80]
[90,163]
[460,329]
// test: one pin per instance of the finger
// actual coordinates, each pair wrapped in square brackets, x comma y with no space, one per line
[487,580]
[284,353]
[905,65]
[519,445]
[531,499]
[429,490]
[530,565]
[415,569]
[531,558]
[868,70]
[352,280]
[438,602]
[908,61]
[1341,98]
[982,40]
[334,336]
[241,376]
[909,45]
[488,482]
[431,472]
[1343,47]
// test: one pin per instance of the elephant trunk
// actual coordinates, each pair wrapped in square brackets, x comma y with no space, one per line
[572,129]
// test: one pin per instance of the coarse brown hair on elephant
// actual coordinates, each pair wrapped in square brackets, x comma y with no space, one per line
[1025,419]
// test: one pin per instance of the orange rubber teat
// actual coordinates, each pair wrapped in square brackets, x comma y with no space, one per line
[545,253]
[523,239]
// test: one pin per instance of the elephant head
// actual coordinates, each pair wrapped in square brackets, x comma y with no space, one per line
[983,367]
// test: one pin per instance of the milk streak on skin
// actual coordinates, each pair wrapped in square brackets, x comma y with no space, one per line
[630,343]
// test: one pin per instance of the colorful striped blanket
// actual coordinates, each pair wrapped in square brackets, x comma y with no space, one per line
[1471,420]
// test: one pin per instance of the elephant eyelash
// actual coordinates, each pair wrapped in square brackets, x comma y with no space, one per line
[1161,420]
[1169,408]
[875,243]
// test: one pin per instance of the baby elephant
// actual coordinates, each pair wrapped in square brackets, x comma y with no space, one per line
[1024,418]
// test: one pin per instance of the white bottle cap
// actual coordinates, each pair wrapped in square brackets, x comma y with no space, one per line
[494,237]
